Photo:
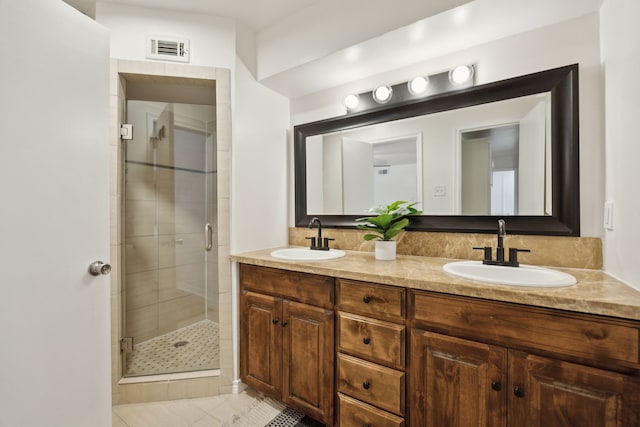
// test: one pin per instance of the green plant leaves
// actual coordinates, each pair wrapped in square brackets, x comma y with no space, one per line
[389,221]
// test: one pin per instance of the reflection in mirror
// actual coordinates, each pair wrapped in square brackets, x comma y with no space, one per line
[508,148]
[347,175]
[491,157]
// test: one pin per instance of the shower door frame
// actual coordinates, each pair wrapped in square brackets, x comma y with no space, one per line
[178,386]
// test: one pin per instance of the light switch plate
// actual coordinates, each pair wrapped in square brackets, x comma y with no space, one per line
[608,215]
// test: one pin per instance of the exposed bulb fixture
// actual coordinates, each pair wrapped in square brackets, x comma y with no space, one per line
[418,85]
[411,91]
[461,74]
[382,94]
[351,101]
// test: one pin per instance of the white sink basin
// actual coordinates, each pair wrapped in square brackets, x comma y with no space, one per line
[306,254]
[525,275]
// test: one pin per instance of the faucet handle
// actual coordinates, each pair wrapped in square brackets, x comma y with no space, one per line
[513,256]
[326,243]
[313,241]
[487,253]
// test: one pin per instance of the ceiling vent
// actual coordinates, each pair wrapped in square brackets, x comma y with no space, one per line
[168,48]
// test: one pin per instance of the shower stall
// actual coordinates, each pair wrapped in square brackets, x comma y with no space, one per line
[170,277]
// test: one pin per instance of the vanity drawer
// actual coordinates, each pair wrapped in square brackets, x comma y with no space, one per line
[353,413]
[371,383]
[601,339]
[385,302]
[372,339]
[303,287]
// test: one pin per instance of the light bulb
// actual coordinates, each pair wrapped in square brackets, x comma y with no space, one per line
[461,74]
[351,101]
[382,94]
[418,85]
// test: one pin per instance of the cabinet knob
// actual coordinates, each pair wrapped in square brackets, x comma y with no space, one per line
[366,340]
[365,425]
[366,385]
[366,299]
[284,323]
[275,321]
[496,385]
[518,391]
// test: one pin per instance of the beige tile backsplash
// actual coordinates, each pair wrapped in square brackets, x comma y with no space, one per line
[572,252]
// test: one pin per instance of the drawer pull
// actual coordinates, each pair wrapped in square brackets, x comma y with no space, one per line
[366,385]
[518,391]
[366,340]
[366,299]
[365,425]
[496,385]
[275,321]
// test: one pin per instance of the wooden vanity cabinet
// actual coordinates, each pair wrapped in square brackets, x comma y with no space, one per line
[371,356]
[287,338]
[484,363]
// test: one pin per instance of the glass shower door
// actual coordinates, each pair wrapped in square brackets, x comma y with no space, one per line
[170,299]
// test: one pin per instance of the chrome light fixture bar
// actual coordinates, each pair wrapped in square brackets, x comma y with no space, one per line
[419,87]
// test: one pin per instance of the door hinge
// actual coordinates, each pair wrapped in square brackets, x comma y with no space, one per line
[126,345]
[126,131]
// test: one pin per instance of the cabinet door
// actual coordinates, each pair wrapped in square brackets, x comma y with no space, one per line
[456,382]
[550,393]
[308,359]
[261,342]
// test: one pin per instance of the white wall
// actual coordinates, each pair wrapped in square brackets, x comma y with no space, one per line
[574,41]
[212,38]
[259,183]
[621,60]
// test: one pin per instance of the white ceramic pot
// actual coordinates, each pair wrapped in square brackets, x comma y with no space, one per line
[386,250]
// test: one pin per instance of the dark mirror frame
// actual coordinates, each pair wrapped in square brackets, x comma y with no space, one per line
[561,82]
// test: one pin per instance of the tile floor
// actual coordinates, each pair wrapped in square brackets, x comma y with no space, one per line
[246,409]
[193,348]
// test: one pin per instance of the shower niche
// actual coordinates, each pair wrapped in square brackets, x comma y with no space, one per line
[169,251]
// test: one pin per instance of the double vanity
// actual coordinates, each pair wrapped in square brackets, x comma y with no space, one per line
[352,341]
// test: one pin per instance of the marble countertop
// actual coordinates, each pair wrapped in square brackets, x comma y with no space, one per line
[595,292]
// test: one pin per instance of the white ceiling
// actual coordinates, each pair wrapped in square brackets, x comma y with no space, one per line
[256,14]
[344,40]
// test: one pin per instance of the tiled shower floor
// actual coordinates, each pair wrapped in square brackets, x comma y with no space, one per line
[193,348]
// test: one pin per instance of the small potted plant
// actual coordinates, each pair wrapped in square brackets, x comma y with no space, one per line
[389,221]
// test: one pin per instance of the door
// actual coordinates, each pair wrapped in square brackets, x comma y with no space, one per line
[476,176]
[457,383]
[54,315]
[308,359]
[549,393]
[170,288]
[261,344]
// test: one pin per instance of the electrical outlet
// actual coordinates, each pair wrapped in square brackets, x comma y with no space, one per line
[439,191]
[608,215]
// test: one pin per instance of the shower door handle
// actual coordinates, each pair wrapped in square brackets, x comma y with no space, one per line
[208,237]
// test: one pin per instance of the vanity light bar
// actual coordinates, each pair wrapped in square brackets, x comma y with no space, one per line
[417,88]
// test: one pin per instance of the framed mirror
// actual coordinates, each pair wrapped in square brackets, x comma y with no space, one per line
[507,149]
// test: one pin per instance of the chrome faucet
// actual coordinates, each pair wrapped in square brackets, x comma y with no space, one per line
[513,252]
[316,242]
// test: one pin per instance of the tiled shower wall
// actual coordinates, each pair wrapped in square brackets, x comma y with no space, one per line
[173,388]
